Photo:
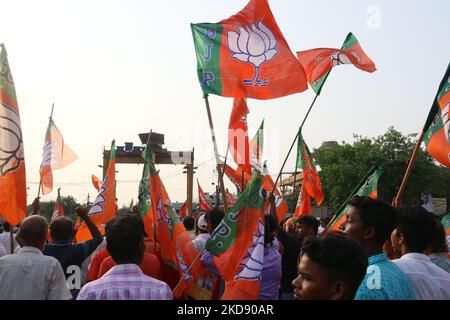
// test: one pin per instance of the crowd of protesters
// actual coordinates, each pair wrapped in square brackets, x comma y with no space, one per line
[380,253]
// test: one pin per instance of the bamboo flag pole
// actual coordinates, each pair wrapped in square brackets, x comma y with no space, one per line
[293,142]
[342,206]
[396,201]
[216,153]
[40,179]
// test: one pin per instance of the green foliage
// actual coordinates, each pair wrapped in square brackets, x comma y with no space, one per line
[344,165]
[47,207]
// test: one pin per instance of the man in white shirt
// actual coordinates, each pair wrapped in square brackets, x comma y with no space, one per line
[5,238]
[3,251]
[414,234]
[29,275]
[200,241]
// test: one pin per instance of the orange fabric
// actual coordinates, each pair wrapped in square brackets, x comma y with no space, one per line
[281,205]
[202,202]
[438,146]
[283,71]
[303,207]
[150,266]
[311,180]
[238,135]
[13,194]
[96,182]
[94,267]
[105,206]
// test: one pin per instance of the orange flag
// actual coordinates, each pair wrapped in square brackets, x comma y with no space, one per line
[303,207]
[56,155]
[104,207]
[280,204]
[13,194]
[96,182]
[238,135]
[202,202]
[247,56]
[183,210]
[237,177]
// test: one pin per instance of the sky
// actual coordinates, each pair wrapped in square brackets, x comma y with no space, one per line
[118,68]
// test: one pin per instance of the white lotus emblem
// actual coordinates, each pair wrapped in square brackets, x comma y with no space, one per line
[11,144]
[255,45]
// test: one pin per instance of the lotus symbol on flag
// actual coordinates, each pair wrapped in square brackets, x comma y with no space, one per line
[11,144]
[255,45]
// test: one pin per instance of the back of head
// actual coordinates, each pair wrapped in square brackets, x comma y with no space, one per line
[376,214]
[310,222]
[417,226]
[214,217]
[61,229]
[439,244]
[33,232]
[342,258]
[6,226]
[125,240]
[189,223]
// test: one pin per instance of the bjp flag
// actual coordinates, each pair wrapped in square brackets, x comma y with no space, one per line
[13,194]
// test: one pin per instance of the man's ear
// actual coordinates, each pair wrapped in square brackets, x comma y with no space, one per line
[338,291]
[369,233]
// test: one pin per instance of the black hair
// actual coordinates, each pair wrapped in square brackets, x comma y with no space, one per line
[417,226]
[309,221]
[341,257]
[61,229]
[326,219]
[439,243]
[125,240]
[189,223]
[6,226]
[269,227]
[375,214]
[214,216]
[109,224]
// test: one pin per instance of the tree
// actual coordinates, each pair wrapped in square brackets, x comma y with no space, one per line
[344,165]
[47,207]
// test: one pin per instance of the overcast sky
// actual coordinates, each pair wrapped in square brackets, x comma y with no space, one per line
[118,68]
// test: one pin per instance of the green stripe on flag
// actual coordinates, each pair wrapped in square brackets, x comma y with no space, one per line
[207,41]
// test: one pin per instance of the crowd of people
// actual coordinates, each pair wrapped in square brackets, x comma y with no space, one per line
[380,253]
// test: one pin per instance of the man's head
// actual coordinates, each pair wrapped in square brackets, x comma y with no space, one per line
[330,268]
[213,219]
[416,230]
[189,223]
[6,226]
[202,225]
[370,222]
[306,226]
[61,229]
[33,232]
[125,240]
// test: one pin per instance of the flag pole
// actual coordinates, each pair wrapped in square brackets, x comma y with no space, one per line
[40,179]
[396,201]
[189,269]
[358,186]
[11,239]
[216,152]
[293,142]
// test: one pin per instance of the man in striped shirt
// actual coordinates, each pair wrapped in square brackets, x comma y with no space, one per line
[125,281]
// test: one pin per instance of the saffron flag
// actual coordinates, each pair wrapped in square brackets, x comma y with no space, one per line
[437,126]
[144,201]
[104,207]
[280,204]
[238,244]
[318,62]
[13,193]
[238,177]
[311,179]
[96,182]
[256,148]
[202,201]
[56,155]
[183,210]
[246,56]
[303,207]
[369,188]
[58,209]
[231,200]
[238,135]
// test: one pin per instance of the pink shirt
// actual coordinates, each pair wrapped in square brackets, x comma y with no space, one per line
[125,282]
